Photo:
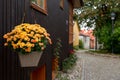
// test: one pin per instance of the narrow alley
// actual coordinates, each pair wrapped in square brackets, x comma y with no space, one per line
[99,67]
[94,67]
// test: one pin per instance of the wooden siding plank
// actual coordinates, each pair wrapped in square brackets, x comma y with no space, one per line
[4,30]
[13,69]
[8,55]
[1,28]
[20,6]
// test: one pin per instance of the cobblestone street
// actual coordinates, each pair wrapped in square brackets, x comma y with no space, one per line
[99,67]
[94,67]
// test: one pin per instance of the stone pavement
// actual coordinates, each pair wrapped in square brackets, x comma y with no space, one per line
[94,67]
[99,67]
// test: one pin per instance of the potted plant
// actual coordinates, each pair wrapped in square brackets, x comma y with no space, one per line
[28,40]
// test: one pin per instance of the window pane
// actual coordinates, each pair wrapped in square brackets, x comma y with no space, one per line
[61,3]
[42,3]
[34,1]
[39,3]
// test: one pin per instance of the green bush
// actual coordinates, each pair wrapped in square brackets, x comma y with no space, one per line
[81,46]
[116,40]
[69,62]
[76,47]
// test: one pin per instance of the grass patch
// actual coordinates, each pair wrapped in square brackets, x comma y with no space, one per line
[103,52]
[99,51]
[76,47]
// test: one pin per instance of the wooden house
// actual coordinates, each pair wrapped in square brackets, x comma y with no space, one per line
[53,15]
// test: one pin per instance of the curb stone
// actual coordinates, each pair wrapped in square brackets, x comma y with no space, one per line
[104,55]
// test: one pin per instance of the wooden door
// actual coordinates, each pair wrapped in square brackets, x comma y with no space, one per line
[39,74]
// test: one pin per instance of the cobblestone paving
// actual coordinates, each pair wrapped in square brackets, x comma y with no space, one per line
[99,67]
[93,67]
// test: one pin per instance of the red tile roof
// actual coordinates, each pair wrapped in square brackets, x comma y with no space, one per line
[88,33]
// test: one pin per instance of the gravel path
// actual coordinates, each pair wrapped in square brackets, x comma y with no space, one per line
[93,67]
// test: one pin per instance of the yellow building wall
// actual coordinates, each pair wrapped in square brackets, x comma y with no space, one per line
[75,34]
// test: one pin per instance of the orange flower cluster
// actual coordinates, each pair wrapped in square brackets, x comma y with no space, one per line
[26,38]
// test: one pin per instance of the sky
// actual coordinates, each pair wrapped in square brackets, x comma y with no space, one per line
[84,26]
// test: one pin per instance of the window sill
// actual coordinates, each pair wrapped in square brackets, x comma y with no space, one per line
[36,7]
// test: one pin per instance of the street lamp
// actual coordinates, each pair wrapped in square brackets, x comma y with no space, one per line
[113,15]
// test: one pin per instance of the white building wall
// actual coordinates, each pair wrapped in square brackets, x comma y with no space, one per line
[86,41]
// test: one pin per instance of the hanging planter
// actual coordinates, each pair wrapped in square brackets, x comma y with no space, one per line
[26,39]
[31,59]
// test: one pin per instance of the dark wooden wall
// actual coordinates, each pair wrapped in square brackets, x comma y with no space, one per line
[56,22]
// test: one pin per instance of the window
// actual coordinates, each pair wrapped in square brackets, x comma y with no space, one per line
[62,4]
[40,5]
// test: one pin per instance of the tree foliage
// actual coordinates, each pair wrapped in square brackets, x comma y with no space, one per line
[116,40]
[98,12]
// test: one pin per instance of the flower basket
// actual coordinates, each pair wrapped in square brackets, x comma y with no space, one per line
[27,38]
[30,60]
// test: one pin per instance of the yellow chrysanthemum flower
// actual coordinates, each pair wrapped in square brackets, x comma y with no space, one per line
[26,37]
[42,48]
[22,44]
[5,44]
[28,44]
[41,44]
[14,46]
[28,49]
[5,36]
